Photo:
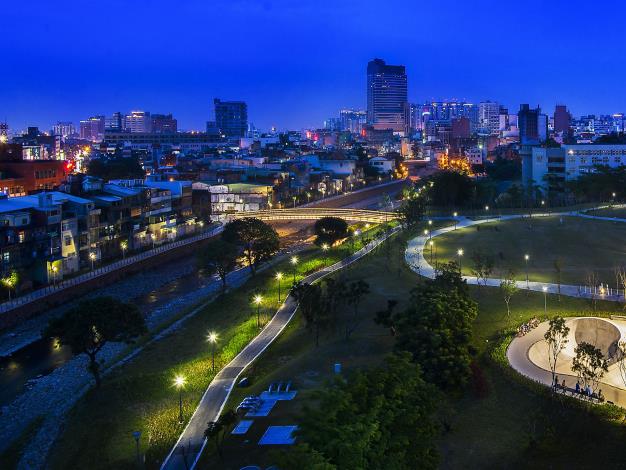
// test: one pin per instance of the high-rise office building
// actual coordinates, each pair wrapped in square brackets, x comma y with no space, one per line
[562,119]
[489,117]
[114,123]
[92,129]
[4,132]
[231,117]
[164,124]
[63,129]
[531,125]
[138,122]
[387,104]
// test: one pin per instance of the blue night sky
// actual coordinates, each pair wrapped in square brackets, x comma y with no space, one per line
[297,63]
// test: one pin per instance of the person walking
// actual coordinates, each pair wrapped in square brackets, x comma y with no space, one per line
[577,386]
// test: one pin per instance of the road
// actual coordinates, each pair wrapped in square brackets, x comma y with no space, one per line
[187,450]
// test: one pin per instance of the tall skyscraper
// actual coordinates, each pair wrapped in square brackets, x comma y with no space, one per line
[489,117]
[530,122]
[164,124]
[115,123]
[562,119]
[92,129]
[138,122]
[231,117]
[387,104]
[352,120]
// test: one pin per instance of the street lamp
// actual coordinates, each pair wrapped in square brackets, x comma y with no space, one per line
[124,246]
[455,215]
[545,300]
[294,263]
[279,276]
[431,243]
[258,299]
[294,201]
[179,383]
[8,282]
[92,257]
[212,338]
[460,254]
[54,270]
[526,258]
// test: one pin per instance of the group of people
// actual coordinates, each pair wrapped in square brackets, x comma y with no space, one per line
[579,390]
[528,326]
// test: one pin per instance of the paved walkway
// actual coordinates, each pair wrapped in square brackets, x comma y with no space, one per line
[187,450]
[518,356]
[414,257]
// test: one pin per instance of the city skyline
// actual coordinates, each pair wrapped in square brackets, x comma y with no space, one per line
[325,64]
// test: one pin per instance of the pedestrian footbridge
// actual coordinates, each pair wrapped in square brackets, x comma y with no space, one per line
[315,213]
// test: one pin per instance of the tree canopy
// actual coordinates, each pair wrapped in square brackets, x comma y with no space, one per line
[219,257]
[330,229]
[89,326]
[258,240]
[380,418]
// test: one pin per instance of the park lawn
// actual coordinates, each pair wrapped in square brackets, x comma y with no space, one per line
[504,428]
[140,396]
[582,245]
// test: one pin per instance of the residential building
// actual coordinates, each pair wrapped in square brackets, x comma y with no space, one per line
[387,104]
[164,124]
[92,129]
[489,117]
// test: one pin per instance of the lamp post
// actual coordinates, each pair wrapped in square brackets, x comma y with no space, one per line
[92,257]
[294,263]
[124,246]
[431,243]
[279,276]
[212,338]
[325,250]
[258,299]
[54,270]
[179,383]
[8,282]
[294,201]
[459,253]
[526,258]
[136,436]
[455,215]
[545,300]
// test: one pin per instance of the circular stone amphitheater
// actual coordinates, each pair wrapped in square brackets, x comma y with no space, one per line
[528,354]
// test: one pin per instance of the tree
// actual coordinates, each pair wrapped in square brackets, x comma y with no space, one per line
[217,430]
[258,240]
[437,329]
[384,317]
[380,418]
[89,326]
[330,229]
[356,291]
[411,210]
[589,364]
[592,282]
[11,281]
[483,266]
[621,360]
[314,308]
[556,337]
[219,257]
[508,288]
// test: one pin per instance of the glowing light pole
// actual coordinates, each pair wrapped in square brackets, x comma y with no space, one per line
[431,244]
[545,300]
[258,300]
[124,247]
[294,263]
[325,250]
[526,258]
[92,257]
[459,254]
[54,270]
[455,215]
[179,383]
[279,276]
[212,338]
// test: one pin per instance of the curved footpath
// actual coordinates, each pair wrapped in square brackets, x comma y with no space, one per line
[187,450]
[517,352]
[415,259]
[517,355]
